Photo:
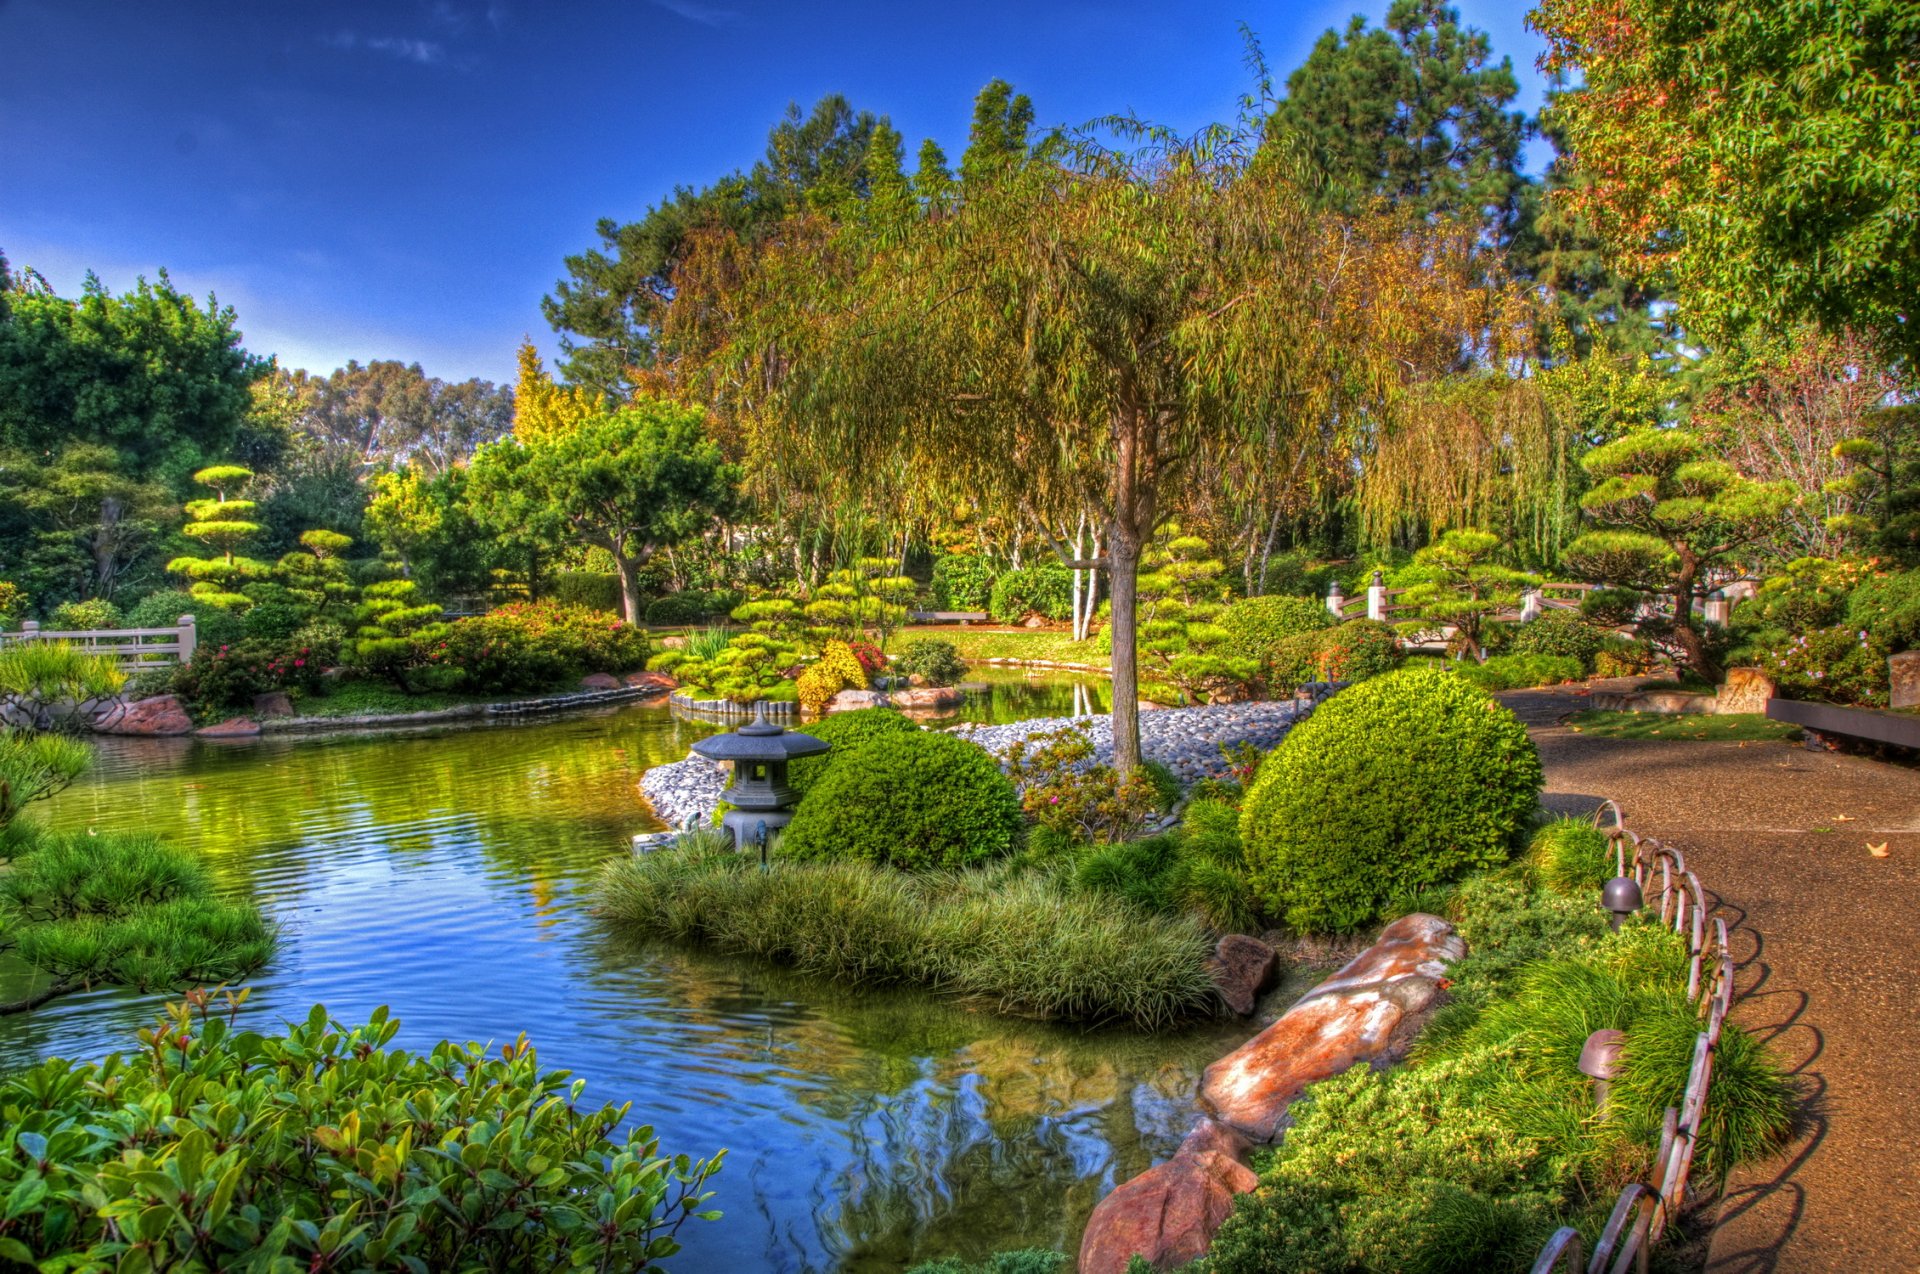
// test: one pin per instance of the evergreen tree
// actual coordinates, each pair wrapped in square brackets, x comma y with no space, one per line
[224,523]
[1415,112]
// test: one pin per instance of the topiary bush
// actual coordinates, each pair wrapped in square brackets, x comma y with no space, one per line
[594,590]
[909,800]
[1032,590]
[1354,651]
[1558,632]
[678,608]
[1262,626]
[932,659]
[846,731]
[1400,784]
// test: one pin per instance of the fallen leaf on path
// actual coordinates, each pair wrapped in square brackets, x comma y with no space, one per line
[1878,851]
[1843,818]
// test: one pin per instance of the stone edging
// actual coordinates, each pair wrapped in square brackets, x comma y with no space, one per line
[776,709]
[1367,1012]
[461,712]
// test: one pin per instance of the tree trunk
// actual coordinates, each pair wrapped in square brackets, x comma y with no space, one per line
[1123,572]
[628,568]
[1692,645]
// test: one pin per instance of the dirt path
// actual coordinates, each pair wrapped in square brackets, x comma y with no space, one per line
[1825,934]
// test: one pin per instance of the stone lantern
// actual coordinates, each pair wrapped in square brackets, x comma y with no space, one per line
[759,751]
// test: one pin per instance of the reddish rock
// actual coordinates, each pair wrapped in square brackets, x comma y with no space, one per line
[1168,1214]
[1250,1088]
[599,681]
[927,697]
[1351,1017]
[1034,621]
[655,681]
[1746,691]
[273,704]
[854,700]
[1242,968]
[160,715]
[233,728]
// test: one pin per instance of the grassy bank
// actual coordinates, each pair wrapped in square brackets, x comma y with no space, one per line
[1736,727]
[1053,645]
[1017,943]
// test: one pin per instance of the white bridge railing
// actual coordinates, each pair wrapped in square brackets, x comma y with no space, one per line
[134,649]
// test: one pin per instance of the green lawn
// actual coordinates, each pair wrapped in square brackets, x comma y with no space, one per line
[1052,644]
[1744,728]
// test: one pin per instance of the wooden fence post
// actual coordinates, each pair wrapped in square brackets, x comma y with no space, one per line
[189,637]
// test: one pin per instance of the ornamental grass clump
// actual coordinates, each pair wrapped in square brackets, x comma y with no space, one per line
[1391,787]
[1572,856]
[1022,944]
[321,1146]
[910,800]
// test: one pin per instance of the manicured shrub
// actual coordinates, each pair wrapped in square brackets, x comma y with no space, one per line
[94,612]
[847,731]
[589,590]
[1519,672]
[908,800]
[1260,624]
[1032,590]
[1829,665]
[272,1144]
[1558,632]
[1611,607]
[1887,608]
[1392,786]
[837,669]
[935,660]
[678,608]
[272,621]
[962,581]
[163,609]
[1353,651]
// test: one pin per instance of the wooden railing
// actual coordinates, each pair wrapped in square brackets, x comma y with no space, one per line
[134,649]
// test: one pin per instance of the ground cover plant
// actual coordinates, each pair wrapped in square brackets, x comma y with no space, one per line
[1470,1154]
[1396,785]
[322,1146]
[1521,671]
[1014,940]
[1734,727]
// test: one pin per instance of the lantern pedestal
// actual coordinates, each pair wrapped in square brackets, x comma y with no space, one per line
[761,798]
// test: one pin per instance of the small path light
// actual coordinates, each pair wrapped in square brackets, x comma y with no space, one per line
[1621,895]
[761,799]
[1599,1059]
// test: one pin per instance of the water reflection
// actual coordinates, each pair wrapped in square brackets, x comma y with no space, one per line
[444,873]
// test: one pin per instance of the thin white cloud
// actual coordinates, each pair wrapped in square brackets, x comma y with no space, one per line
[420,52]
[707,15]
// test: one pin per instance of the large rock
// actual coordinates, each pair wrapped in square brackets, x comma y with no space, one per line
[1746,691]
[926,697]
[1903,675]
[599,681]
[1355,1016]
[1168,1214]
[655,682]
[853,700]
[275,703]
[1242,968]
[160,715]
[232,728]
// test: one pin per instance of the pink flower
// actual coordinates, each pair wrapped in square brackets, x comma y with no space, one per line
[299,663]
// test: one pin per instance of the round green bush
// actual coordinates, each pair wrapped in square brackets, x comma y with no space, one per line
[913,800]
[962,581]
[1043,590]
[1261,625]
[1354,651]
[1559,632]
[846,731]
[1399,784]
[94,612]
[933,659]
[677,608]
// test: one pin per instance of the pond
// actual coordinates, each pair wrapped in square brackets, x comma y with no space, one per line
[445,873]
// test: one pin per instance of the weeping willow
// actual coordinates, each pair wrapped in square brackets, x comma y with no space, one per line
[1482,450]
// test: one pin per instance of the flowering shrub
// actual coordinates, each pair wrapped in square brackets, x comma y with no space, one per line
[228,677]
[838,668]
[872,662]
[1831,665]
[1065,791]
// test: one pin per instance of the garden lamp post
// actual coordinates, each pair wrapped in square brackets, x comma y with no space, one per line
[1622,895]
[761,799]
[1599,1059]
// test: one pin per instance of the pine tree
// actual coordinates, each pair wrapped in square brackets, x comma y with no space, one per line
[224,523]
[542,409]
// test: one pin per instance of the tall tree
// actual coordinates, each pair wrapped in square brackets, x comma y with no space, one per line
[1759,158]
[1415,112]
[392,413]
[630,482]
[607,308]
[1077,331]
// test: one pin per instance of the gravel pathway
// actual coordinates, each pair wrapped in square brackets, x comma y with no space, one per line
[1188,740]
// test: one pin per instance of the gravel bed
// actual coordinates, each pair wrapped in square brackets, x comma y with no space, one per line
[1187,739]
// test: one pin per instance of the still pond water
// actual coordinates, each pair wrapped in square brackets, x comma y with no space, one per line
[446,873]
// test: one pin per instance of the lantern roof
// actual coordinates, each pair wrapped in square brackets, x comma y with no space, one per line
[760,740]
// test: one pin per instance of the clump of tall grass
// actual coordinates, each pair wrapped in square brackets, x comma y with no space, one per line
[1024,944]
[1198,869]
[1571,856]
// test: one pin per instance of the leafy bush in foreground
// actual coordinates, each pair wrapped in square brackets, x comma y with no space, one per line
[1030,1260]
[324,1148]
[1392,786]
[909,800]
[1022,944]
[1571,856]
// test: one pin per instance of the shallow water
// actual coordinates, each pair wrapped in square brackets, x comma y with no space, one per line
[445,873]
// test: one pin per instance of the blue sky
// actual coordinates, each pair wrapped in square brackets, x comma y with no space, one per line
[402,179]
